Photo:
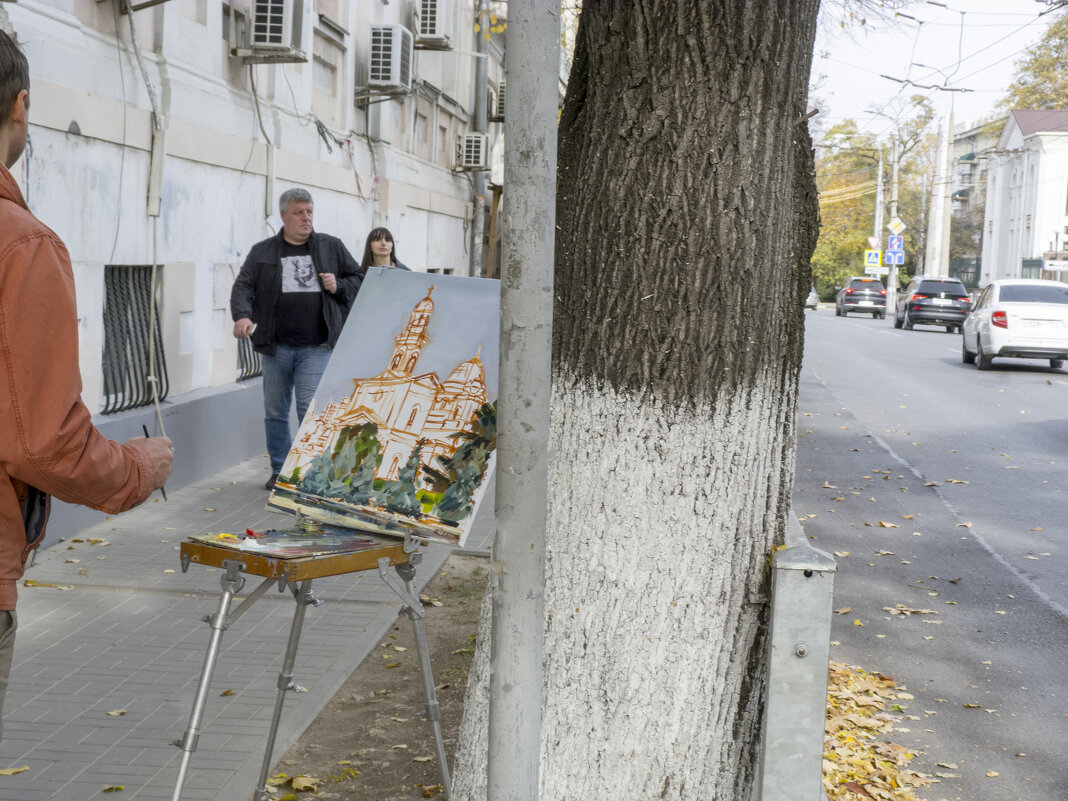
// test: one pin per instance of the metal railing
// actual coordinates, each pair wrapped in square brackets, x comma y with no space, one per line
[128,300]
[248,361]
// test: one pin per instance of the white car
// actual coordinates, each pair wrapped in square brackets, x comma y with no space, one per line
[1020,318]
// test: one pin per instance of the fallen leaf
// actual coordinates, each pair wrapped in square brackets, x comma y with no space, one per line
[307,784]
[844,610]
[422,759]
[856,788]
[964,525]
[992,774]
[857,622]
[13,771]
[883,524]
[955,481]
[209,509]
[117,713]
[842,554]
[114,788]
[226,693]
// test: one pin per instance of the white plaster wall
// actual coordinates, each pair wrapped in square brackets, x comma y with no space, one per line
[221,180]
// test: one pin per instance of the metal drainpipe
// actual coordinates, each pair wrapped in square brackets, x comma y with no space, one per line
[478,224]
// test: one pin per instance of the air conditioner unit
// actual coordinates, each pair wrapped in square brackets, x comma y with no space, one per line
[433,24]
[390,66]
[274,33]
[472,151]
[496,114]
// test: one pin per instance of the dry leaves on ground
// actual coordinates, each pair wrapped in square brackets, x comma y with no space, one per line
[859,761]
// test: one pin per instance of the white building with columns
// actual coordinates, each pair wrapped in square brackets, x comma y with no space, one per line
[1025,226]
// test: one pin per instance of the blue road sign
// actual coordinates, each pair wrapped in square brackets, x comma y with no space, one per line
[895,243]
[895,257]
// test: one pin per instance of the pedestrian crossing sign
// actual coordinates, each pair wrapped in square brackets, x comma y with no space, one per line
[871,258]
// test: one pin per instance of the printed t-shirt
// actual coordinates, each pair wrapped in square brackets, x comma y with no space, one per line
[298,312]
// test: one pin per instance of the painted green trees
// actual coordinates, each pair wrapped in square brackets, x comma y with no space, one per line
[462,473]
[347,471]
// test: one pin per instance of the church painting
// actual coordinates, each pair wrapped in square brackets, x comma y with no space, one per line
[401,436]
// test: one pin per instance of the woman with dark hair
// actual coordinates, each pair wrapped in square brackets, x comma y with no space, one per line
[380,250]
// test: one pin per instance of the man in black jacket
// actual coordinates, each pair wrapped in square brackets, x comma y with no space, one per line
[292,296]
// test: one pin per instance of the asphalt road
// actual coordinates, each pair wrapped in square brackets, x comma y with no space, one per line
[943,492]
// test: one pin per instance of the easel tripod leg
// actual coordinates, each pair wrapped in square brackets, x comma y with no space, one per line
[303,599]
[433,708]
[232,582]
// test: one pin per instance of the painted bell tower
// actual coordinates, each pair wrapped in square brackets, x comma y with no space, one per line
[409,343]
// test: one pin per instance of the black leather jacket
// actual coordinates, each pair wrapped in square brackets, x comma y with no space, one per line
[260,282]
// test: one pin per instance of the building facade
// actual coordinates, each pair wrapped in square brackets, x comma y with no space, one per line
[161,140]
[1025,224]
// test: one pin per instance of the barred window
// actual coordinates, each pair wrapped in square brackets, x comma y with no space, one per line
[128,301]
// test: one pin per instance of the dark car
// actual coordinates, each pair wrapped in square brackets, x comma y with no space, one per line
[861,294]
[933,300]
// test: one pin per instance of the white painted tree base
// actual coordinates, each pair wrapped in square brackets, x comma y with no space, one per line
[661,520]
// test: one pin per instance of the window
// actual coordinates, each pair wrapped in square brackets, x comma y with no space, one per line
[327,58]
[1024,293]
[128,301]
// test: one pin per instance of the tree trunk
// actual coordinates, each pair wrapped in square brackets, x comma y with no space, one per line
[686,214]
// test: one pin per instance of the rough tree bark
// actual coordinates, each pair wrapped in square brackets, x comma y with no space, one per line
[686,217]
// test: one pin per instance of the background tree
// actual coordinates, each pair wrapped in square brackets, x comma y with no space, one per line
[686,213]
[847,166]
[846,170]
[1042,74]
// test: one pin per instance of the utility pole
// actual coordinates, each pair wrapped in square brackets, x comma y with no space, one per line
[517,566]
[940,219]
[878,232]
[478,223]
[891,280]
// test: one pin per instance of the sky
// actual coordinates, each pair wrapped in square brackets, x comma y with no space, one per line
[966,44]
[465,316]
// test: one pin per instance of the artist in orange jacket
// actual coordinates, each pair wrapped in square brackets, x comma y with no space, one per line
[48,444]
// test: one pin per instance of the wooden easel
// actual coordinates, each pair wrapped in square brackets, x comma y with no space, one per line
[297,574]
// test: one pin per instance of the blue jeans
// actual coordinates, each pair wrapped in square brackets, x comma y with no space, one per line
[291,369]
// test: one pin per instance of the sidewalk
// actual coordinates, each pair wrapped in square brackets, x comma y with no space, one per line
[121,630]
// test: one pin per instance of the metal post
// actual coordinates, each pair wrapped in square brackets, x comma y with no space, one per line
[433,709]
[891,280]
[518,563]
[802,590]
[303,598]
[231,581]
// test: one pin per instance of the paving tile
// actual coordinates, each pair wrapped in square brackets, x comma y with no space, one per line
[129,636]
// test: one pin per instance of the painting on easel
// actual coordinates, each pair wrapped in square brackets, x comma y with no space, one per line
[402,433]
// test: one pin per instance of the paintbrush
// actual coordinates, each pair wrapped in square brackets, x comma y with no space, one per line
[162,491]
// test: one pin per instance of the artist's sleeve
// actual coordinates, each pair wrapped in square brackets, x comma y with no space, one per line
[243,292]
[349,276]
[49,440]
